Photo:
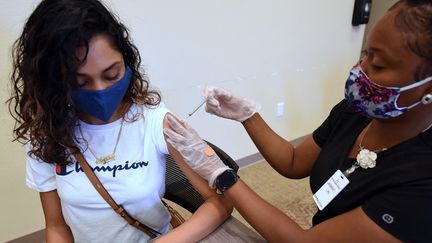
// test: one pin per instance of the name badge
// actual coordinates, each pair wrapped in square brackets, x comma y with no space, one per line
[331,188]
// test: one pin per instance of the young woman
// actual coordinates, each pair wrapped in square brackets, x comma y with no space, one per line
[370,162]
[78,88]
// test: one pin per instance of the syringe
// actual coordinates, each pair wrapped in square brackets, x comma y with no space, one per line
[196,109]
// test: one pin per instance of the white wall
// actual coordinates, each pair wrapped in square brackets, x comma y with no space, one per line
[297,52]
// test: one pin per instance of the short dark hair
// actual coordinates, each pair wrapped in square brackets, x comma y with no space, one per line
[45,62]
[415,22]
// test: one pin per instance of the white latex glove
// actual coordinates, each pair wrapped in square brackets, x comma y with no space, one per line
[225,104]
[196,153]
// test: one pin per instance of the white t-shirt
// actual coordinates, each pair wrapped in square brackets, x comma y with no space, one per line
[135,180]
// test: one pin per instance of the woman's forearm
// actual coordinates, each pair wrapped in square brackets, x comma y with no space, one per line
[269,221]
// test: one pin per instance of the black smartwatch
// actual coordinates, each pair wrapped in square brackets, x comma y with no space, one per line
[225,180]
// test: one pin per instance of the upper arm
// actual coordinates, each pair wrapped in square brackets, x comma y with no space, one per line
[305,155]
[51,206]
[56,228]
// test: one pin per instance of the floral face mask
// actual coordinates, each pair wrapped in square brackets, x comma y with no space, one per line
[374,100]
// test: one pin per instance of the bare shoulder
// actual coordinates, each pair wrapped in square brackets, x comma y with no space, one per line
[165,120]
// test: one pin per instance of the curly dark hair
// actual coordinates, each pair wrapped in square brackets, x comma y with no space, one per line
[45,62]
[415,22]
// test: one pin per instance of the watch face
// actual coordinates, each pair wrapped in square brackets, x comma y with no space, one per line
[226,180]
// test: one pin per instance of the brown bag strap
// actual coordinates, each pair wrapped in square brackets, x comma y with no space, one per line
[105,195]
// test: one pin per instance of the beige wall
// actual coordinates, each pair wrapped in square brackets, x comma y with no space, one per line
[21,212]
[297,52]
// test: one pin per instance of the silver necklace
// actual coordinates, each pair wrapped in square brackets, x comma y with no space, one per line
[366,158]
[107,158]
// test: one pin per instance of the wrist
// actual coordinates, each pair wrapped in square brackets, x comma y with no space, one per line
[226,180]
[251,110]
[215,174]
[250,119]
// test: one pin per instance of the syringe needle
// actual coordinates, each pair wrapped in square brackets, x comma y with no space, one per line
[195,110]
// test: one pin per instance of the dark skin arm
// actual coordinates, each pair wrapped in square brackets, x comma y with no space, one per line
[289,161]
[352,226]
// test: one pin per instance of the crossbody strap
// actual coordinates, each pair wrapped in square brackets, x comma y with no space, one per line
[107,197]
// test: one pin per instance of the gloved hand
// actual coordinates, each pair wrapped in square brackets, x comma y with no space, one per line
[195,151]
[225,104]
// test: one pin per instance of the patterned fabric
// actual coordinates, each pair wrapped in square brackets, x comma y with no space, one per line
[374,100]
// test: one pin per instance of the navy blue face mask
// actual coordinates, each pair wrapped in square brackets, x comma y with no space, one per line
[103,103]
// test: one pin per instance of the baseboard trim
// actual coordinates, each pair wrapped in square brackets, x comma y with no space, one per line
[249,160]
[35,237]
